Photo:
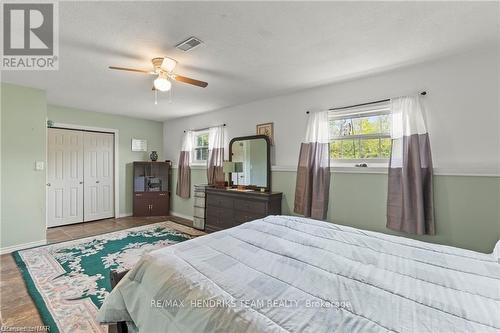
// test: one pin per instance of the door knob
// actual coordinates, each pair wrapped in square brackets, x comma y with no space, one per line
[97,182]
[48,184]
[81,182]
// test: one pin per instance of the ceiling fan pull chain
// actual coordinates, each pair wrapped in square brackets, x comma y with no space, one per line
[156,97]
[170,94]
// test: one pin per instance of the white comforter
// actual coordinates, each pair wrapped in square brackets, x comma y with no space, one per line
[284,273]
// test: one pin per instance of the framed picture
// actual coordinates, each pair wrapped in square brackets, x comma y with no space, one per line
[266,129]
[139,145]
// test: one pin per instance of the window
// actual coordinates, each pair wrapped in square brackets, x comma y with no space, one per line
[360,133]
[200,147]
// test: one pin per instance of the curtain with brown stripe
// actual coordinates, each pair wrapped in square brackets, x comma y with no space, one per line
[215,161]
[410,205]
[313,171]
[184,170]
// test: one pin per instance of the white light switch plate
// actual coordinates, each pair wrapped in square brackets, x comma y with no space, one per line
[39,165]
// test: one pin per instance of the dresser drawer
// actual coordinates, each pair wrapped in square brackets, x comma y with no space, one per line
[199,212]
[257,207]
[199,223]
[199,202]
[219,211]
[227,209]
[219,201]
[242,217]
[221,218]
[199,194]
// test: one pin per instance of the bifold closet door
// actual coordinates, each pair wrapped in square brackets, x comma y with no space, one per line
[64,177]
[98,175]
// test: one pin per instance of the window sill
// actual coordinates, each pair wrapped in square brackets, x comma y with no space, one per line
[379,166]
[379,169]
[198,166]
[342,168]
[192,166]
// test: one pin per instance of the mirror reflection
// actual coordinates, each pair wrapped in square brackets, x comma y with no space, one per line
[250,162]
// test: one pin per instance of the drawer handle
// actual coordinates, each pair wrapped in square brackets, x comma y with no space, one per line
[138,195]
[162,194]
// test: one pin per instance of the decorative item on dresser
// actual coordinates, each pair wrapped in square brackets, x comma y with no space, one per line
[229,208]
[153,156]
[252,198]
[152,188]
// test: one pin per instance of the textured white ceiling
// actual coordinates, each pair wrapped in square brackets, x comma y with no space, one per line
[251,50]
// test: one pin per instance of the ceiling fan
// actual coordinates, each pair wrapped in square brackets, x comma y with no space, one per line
[163,69]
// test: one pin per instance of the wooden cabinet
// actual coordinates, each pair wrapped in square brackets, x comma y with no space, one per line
[227,209]
[151,188]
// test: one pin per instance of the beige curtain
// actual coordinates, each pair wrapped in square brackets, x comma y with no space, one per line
[215,161]
[313,171]
[184,170]
[410,205]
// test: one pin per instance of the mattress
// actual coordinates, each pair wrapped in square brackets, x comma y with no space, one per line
[292,274]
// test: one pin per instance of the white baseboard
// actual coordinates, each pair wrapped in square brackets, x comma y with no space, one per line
[187,217]
[124,215]
[9,249]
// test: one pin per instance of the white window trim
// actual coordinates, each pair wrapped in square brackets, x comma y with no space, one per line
[348,113]
[195,162]
[378,163]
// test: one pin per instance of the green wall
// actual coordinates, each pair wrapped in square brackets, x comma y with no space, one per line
[467,208]
[128,128]
[185,206]
[24,112]
[23,133]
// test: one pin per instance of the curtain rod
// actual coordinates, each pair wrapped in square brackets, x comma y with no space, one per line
[423,93]
[203,129]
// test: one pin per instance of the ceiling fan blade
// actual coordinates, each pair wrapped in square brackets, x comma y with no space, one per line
[190,81]
[131,70]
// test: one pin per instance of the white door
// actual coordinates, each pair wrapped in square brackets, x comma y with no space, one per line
[98,175]
[64,177]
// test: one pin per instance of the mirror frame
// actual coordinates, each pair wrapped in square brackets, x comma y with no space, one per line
[268,144]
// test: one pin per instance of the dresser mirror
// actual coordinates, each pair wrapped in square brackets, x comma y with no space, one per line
[251,165]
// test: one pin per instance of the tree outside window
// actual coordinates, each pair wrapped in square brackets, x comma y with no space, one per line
[360,135]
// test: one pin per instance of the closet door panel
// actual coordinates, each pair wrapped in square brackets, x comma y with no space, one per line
[98,176]
[64,177]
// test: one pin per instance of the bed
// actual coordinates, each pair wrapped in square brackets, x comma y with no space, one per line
[292,274]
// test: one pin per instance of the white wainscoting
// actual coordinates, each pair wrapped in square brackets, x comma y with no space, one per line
[465,172]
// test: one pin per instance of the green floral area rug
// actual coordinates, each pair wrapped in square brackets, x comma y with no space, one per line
[69,281]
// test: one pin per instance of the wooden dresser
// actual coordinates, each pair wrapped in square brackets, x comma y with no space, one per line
[227,209]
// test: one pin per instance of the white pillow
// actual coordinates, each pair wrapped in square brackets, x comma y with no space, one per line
[496,251]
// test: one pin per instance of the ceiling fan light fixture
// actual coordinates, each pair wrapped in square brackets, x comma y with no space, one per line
[162,84]
[168,64]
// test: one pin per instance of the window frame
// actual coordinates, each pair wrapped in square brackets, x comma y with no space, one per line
[377,109]
[196,134]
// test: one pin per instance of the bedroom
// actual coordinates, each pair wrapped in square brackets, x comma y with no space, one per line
[329,225]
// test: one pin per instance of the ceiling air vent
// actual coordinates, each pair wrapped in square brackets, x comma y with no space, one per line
[189,44]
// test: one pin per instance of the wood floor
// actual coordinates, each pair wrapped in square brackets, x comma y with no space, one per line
[17,307]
